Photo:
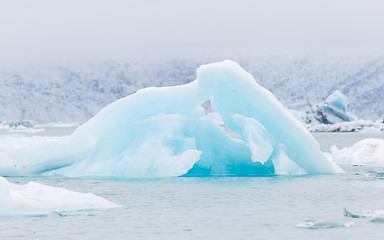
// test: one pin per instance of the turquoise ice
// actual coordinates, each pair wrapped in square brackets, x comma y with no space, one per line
[162,132]
[334,109]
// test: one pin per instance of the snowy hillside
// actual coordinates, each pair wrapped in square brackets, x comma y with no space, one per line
[301,82]
[73,93]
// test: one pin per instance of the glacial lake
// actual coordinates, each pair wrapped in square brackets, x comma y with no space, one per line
[278,207]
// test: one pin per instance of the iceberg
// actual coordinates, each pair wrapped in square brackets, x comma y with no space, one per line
[163,132]
[367,152]
[334,109]
[35,199]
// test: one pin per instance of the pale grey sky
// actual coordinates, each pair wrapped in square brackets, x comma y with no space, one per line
[49,29]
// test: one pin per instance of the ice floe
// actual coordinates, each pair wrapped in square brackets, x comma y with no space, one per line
[35,199]
[368,152]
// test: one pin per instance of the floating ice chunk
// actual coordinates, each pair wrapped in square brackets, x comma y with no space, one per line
[37,199]
[312,224]
[159,132]
[333,110]
[368,152]
[376,216]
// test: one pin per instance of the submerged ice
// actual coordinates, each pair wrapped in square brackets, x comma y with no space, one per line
[37,199]
[161,132]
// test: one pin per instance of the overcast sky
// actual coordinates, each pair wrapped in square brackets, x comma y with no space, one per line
[49,29]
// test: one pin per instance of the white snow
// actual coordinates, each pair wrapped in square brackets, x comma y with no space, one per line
[160,132]
[368,152]
[34,199]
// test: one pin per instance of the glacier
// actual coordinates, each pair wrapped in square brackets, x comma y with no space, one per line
[35,199]
[163,132]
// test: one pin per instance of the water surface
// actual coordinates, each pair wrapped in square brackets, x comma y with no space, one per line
[280,207]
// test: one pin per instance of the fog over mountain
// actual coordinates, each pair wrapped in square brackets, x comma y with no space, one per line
[65,60]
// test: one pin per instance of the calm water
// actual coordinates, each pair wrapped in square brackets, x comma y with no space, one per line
[306,207]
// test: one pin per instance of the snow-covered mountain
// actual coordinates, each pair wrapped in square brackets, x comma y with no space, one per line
[74,93]
[302,82]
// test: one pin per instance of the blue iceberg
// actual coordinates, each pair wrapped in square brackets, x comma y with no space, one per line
[334,109]
[163,132]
